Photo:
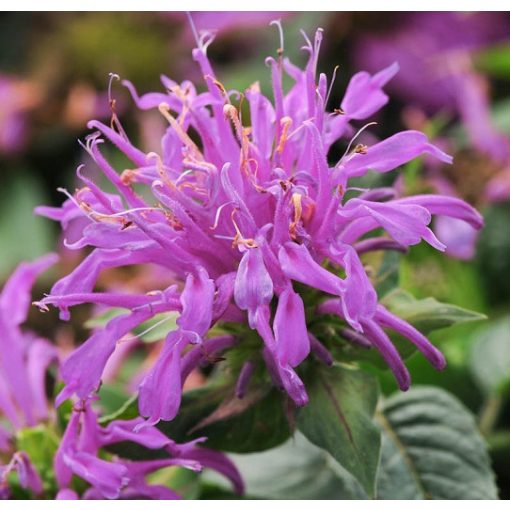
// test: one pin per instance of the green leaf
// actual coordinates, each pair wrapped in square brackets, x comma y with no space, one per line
[432,449]
[490,357]
[295,470]
[427,314]
[338,419]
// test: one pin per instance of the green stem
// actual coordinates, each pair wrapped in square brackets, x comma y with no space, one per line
[490,413]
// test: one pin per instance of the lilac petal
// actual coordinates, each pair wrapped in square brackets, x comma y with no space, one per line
[134,154]
[83,369]
[123,430]
[219,462]
[204,352]
[458,236]
[160,391]
[28,476]
[391,153]
[39,357]
[383,344]
[84,277]
[107,477]
[7,405]
[108,235]
[63,473]
[359,298]
[387,319]
[298,264]
[151,100]
[405,222]
[379,243]
[291,335]
[197,302]
[244,378]
[320,351]
[446,206]
[253,285]
[15,298]
[14,372]
[475,109]
[67,494]
[364,95]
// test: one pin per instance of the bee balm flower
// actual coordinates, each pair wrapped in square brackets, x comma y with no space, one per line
[243,211]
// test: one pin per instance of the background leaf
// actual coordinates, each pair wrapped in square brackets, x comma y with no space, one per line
[432,449]
[490,357]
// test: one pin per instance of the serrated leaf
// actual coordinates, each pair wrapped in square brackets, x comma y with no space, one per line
[490,357]
[295,470]
[338,419]
[432,449]
[427,314]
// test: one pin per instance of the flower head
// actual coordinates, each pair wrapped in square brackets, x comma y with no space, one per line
[250,217]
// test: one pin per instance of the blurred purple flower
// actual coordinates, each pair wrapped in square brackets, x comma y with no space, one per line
[239,217]
[124,479]
[16,98]
[435,52]
[24,360]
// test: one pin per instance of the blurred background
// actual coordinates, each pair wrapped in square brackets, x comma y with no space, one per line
[454,84]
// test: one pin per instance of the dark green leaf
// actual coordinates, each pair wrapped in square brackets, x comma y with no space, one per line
[255,423]
[338,419]
[432,449]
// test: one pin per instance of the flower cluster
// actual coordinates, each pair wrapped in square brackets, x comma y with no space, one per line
[241,205]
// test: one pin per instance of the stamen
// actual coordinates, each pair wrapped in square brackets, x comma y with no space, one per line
[285,122]
[330,89]
[298,210]
[278,24]
[353,139]
[218,213]
[148,330]
[164,108]
[238,238]
[193,29]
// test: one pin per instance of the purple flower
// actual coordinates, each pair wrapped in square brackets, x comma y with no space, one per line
[118,478]
[242,212]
